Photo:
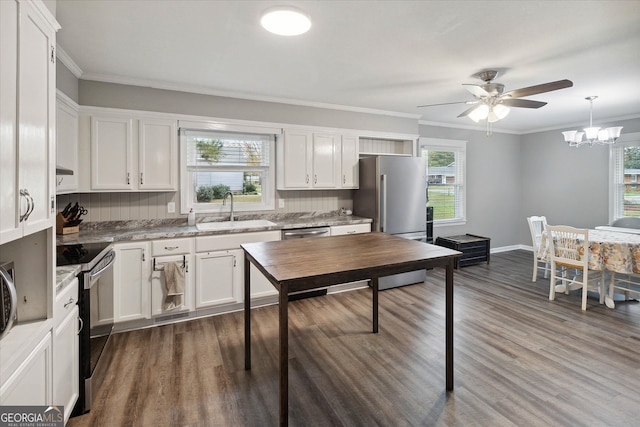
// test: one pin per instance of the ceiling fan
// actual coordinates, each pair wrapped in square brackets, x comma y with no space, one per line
[492,102]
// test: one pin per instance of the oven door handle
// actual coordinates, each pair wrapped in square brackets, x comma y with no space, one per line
[95,274]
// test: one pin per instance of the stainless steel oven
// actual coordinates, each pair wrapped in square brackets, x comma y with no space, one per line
[8,297]
[95,303]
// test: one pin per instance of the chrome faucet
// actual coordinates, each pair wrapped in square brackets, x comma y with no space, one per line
[224,202]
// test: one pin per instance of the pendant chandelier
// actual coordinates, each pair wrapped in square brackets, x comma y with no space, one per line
[594,135]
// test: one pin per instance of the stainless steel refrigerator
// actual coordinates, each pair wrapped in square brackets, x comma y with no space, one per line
[393,191]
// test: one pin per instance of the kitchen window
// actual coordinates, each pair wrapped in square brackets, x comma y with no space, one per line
[236,159]
[446,167]
[624,169]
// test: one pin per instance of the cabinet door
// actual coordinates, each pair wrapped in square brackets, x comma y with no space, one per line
[66,363]
[349,162]
[66,145]
[325,164]
[161,302]
[111,153]
[30,384]
[10,228]
[36,114]
[131,282]
[218,277]
[297,151]
[158,155]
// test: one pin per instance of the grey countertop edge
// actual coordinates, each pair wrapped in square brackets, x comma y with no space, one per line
[65,274]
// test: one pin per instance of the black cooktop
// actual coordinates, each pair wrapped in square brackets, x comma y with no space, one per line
[79,253]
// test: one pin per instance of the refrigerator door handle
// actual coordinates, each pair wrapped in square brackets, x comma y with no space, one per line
[383,207]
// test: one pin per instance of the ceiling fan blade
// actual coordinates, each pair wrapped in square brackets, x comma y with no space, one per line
[448,103]
[542,88]
[468,111]
[476,90]
[522,103]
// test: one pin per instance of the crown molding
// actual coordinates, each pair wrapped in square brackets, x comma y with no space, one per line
[64,57]
[238,95]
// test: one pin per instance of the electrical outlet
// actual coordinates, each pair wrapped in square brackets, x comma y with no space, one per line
[281,203]
[171,207]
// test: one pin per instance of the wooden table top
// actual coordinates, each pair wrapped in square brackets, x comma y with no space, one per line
[305,264]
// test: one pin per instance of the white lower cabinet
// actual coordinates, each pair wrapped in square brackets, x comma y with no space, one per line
[66,361]
[30,384]
[178,295]
[220,269]
[132,282]
[218,277]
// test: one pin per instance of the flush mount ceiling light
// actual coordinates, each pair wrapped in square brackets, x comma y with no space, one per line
[285,21]
[594,135]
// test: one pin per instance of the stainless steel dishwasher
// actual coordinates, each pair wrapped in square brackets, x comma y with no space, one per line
[306,233]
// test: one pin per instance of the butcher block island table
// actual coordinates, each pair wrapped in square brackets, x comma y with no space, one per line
[306,264]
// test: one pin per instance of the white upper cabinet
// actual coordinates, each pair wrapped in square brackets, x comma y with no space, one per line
[295,160]
[27,120]
[317,160]
[326,160]
[131,154]
[158,155]
[349,162]
[66,143]
[111,152]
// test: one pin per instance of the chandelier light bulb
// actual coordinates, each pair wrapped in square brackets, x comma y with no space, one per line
[594,134]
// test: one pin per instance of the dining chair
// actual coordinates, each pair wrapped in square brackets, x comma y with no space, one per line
[569,251]
[537,224]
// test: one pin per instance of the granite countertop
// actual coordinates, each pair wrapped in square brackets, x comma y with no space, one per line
[123,231]
[64,276]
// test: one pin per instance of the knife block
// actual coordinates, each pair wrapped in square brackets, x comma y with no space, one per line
[62,226]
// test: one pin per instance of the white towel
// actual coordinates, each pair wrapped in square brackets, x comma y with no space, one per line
[174,284]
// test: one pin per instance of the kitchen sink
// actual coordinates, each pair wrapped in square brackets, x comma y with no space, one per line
[231,225]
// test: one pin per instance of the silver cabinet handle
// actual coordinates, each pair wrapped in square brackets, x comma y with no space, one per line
[70,302]
[141,178]
[81,324]
[128,178]
[30,204]
[315,178]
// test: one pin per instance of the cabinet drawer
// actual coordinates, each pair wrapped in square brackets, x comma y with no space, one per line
[171,246]
[233,240]
[66,301]
[338,230]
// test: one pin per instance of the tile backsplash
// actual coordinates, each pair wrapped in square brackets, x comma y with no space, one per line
[145,206]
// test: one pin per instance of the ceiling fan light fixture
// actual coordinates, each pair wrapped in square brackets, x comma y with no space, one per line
[481,112]
[594,134]
[285,21]
[500,112]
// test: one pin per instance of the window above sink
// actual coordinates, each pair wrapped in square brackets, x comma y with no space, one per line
[221,158]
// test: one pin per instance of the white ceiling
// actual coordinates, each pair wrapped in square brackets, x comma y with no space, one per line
[380,55]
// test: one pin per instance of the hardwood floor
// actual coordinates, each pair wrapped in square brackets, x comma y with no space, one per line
[520,360]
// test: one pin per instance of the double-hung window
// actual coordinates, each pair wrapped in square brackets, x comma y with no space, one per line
[445,160]
[624,192]
[233,159]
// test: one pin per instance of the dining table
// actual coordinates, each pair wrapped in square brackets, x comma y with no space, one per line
[308,264]
[610,250]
